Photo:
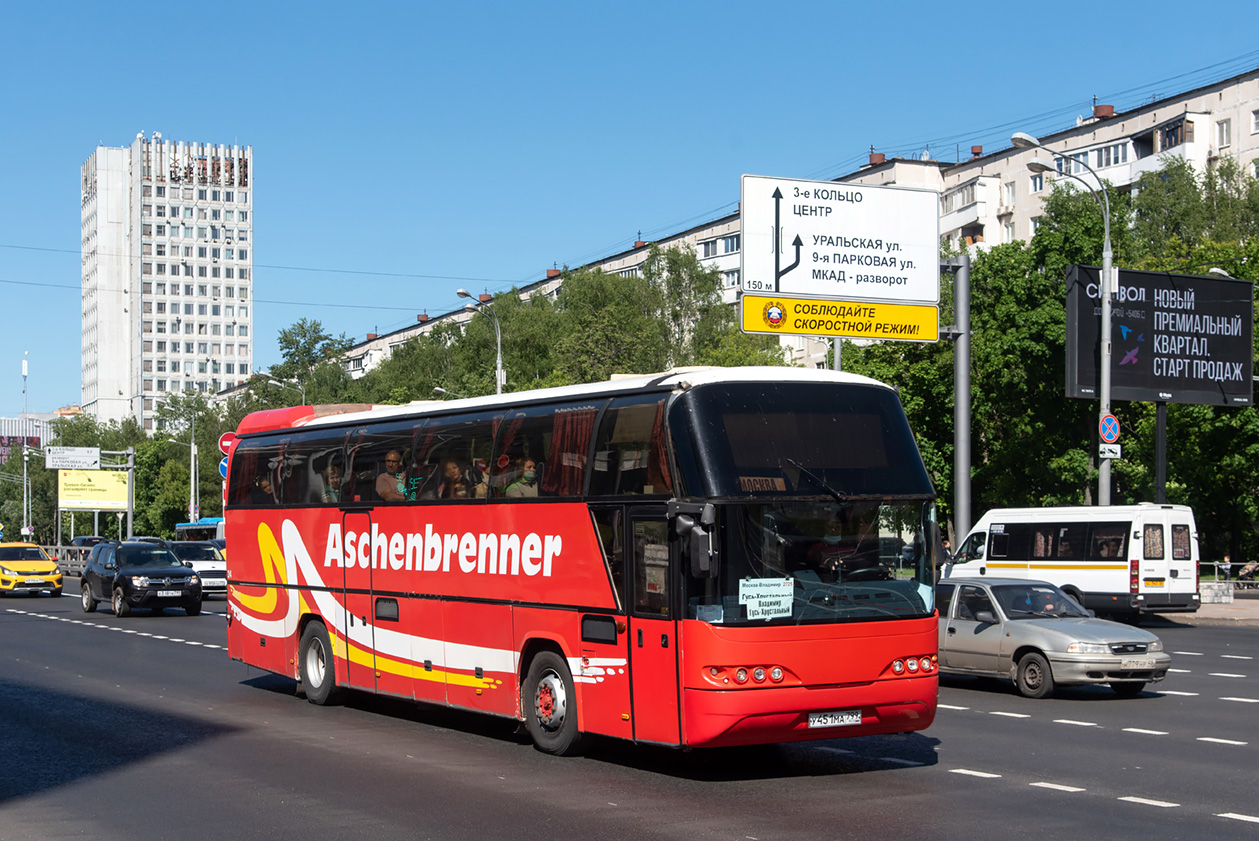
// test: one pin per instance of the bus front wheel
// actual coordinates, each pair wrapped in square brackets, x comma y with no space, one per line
[550,705]
[318,674]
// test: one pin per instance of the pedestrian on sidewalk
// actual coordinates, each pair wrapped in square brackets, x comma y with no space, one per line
[1226,567]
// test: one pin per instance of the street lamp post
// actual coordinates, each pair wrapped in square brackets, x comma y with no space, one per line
[194,510]
[299,388]
[1023,140]
[486,307]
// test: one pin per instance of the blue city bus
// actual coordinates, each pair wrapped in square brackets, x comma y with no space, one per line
[207,528]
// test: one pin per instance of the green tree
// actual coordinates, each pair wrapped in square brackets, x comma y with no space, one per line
[305,344]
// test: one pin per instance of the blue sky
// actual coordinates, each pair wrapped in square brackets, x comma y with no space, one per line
[403,150]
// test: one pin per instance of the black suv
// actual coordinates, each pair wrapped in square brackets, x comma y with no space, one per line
[138,574]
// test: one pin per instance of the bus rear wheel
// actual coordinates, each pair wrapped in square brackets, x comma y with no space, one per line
[550,706]
[318,675]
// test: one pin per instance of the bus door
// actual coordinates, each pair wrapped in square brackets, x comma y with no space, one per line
[355,626]
[653,650]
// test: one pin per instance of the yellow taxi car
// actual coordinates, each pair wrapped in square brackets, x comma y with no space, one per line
[26,568]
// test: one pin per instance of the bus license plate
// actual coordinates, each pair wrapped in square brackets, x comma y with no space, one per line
[169,594]
[1154,582]
[843,718]
[1134,665]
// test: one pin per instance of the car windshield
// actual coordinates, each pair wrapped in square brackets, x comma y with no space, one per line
[1035,601]
[148,557]
[195,552]
[22,553]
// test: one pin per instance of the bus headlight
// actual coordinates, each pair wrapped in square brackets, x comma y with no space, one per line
[776,674]
[741,676]
[898,666]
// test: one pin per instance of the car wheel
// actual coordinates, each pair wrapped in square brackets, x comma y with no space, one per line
[55,593]
[121,608]
[1128,689]
[193,608]
[1034,680]
[550,705]
[89,603]
[318,674]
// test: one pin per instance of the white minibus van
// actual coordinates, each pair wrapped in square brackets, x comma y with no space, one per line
[1117,560]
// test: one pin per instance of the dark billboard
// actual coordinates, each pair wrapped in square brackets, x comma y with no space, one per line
[1174,338]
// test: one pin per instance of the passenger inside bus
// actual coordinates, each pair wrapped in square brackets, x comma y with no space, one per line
[262,493]
[331,483]
[390,484]
[526,485]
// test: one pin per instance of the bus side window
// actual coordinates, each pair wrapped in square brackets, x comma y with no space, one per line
[630,452]
[1153,542]
[610,528]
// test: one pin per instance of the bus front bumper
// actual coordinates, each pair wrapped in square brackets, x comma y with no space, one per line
[765,715]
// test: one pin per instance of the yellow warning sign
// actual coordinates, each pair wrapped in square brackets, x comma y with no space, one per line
[783,316]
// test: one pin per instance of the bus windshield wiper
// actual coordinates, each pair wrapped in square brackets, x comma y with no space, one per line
[817,480]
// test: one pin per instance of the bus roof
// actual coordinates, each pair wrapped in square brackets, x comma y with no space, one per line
[301,416]
[1081,512]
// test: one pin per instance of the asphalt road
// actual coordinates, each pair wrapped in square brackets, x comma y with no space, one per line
[141,727]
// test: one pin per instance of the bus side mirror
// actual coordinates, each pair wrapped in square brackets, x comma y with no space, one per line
[697,528]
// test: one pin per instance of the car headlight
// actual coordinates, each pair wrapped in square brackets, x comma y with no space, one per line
[1157,645]
[192,579]
[139,581]
[6,571]
[1088,648]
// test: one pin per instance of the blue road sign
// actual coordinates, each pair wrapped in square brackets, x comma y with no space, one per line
[223,467]
[1108,429]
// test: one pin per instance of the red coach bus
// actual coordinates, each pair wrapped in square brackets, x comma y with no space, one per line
[701,558]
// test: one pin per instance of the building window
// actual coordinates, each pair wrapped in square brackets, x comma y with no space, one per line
[1035,224]
[731,278]
[729,245]
[161,191]
[1008,189]
[1037,182]
[1175,133]
[201,194]
[161,230]
[1224,133]
[161,385]
[1008,231]
[230,367]
[709,249]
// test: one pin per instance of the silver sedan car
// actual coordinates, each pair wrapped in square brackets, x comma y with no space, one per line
[1039,637]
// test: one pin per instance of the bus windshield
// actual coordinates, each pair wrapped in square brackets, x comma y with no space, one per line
[814,561]
[792,438]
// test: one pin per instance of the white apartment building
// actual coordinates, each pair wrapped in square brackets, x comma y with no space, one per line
[984,200]
[167,274]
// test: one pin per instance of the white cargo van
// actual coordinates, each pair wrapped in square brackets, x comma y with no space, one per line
[1116,560]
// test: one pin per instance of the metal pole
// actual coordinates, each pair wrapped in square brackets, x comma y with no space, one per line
[192,470]
[131,493]
[836,362]
[961,400]
[498,363]
[1160,452]
[1108,285]
[26,496]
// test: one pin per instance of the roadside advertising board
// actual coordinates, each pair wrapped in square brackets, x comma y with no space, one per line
[1174,338]
[92,490]
[821,258]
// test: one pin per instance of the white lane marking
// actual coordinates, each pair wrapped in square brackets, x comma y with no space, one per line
[1236,817]
[1145,732]
[1224,674]
[1189,654]
[1076,723]
[1056,787]
[1181,671]
[1010,715]
[1172,692]
[950,707]
[836,750]
[1146,802]
[1220,741]
[970,773]
[1243,700]
[906,762]
[1236,657]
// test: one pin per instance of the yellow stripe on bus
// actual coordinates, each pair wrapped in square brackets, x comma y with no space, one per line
[1039,565]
